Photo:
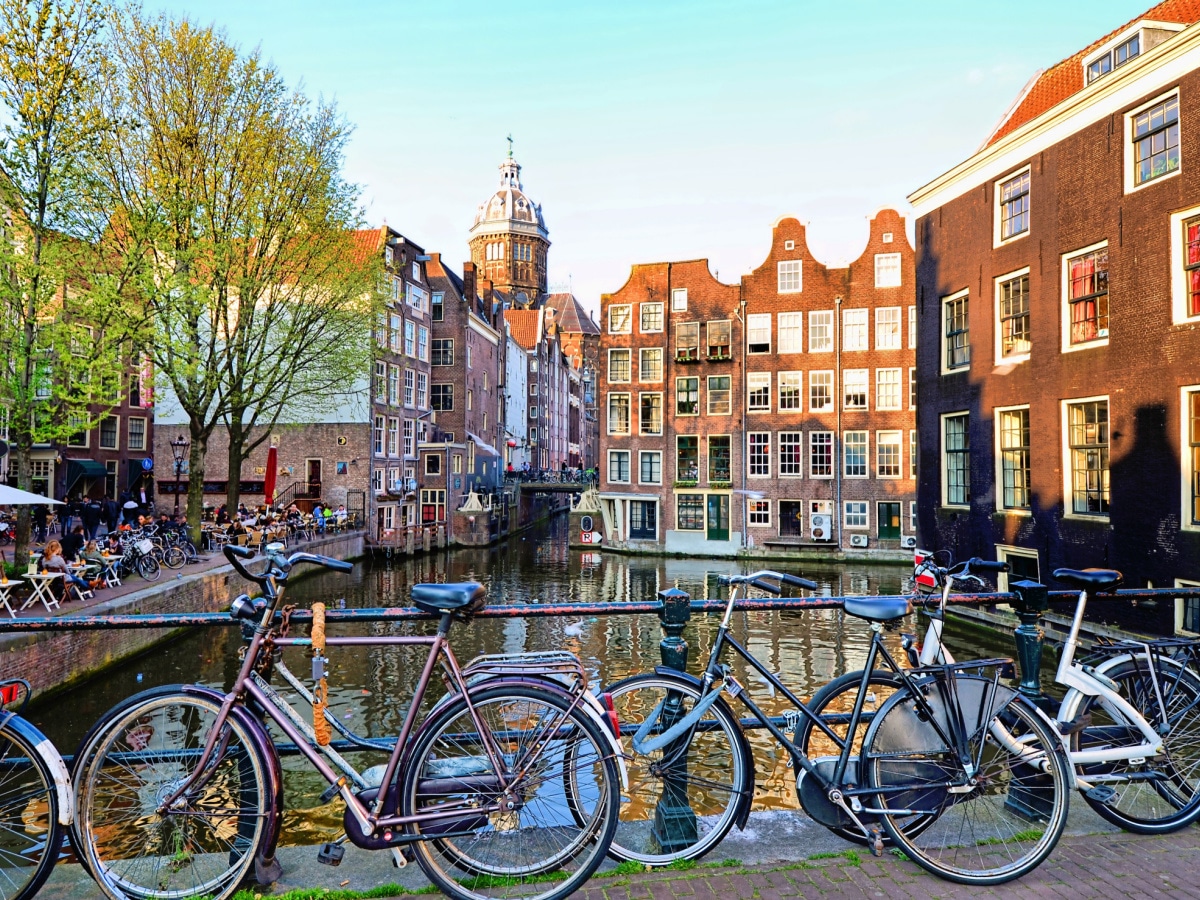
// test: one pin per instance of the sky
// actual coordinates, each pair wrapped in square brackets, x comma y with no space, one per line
[654,130]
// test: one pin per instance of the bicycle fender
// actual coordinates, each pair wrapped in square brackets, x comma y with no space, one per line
[53,760]
[746,788]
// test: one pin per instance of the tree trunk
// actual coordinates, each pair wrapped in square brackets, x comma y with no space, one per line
[24,513]
[237,441]
[195,496]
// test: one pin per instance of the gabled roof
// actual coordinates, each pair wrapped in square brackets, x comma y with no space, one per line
[525,326]
[368,243]
[570,316]
[1054,85]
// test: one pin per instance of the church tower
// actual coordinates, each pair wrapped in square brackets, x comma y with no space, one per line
[509,239]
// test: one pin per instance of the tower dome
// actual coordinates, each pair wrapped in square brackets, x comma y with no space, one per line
[509,239]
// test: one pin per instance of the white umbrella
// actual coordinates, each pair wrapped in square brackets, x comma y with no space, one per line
[10,496]
[130,504]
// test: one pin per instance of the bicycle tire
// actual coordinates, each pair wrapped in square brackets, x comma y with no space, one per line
[482,858]
[174,557]
[30,832]
[1171,799]
[714,770]
[981,835]
[203,851]
[148,568]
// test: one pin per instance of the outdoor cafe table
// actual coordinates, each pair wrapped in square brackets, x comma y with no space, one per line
[6,589]
[110,575]
[42,590]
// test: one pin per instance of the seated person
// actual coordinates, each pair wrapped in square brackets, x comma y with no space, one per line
[340,513]
[73,543]
[52,561]
[91,554]
[113,546]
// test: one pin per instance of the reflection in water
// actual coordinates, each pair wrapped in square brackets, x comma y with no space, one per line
[369,687]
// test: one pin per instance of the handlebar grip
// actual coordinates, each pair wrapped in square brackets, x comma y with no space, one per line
[232,550]
[235,554]
[797,581]
[338,565]
[766,586]
[986,565]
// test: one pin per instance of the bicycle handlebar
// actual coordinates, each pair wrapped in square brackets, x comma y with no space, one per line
[755,577]
[279,566]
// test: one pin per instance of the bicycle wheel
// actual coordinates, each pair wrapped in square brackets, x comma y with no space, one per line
[174,557]
[202,847]
[993,824]
[30,834]
[148,568]
[1161,793]
[682,800]
[536,849]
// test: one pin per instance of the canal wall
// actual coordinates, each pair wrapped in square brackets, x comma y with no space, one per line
[53,661]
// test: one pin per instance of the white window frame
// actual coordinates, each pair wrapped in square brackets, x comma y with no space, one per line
[833,400]
[642,355]
[942,456]
[942,348]
[756,324]
[998,464]
[1004,552]
[791,332]
[866,454]
[643,453]
[628,467]
[882,327]
[757,507]
[997,212]
[709,390]
[912,388]
[662,413]
[643,308]
[1127,163]
[679,300]
[899,444]
[857,313]
[756,381]
[629,368]
[912,328]
[866,515]
[1182,583]
[821,321]
[1187,472]
[1179,287]
[799,442]
[879,393]
[749,454]
[1012,358]
[100,433]
[833,455]
[1065,304]
[791,273]
[887,281]
[790,380]
[628,329]
[1068,485]
[852,377]
[608,412]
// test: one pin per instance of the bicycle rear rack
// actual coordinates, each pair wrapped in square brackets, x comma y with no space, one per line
[558,665]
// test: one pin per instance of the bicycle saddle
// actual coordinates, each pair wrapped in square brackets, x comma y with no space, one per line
[466,597]
[878,609]
[1090,579]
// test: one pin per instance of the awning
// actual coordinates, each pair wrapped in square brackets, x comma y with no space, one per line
[483,445]
[83,468]
[135,472]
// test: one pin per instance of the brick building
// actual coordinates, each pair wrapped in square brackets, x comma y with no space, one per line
[579,336]
[770,414]
[1060,322]
[509,242]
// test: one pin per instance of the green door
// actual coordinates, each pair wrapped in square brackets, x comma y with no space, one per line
[889,521]
[718,517]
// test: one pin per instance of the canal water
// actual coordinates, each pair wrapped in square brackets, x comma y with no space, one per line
[370,687]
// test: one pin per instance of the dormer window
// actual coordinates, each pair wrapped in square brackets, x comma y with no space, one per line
[1133,42]
[1114,58]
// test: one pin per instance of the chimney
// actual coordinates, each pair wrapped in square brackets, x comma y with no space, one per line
[485,291]
[469,282]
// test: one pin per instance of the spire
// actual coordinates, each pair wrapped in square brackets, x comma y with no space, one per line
[510,145]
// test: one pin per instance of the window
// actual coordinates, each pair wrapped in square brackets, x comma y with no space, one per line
[887,454]
[642,520]
[381,386]
[855,387]
[409,386]
[618,413]
[1192,430]
[436,310]
[533,413]
[650,364]
[422,342]
[416,271]
[79,436]
[618,366]
[687,458]
[1012,427]
[956,460]
[687,396]
[456,463]
[912,388]
[854,330]
[791,332]
[1156,141]
[1013,199]
[820,391]
[110,478]
[620,319]
[679,300]
[470,399]
[443,352]
[650,468]
[887,389]
[791,280]
[651,413]
[887,328]
[433,506]
[410,340]
[760,454]
[758,333]
[135,395]
[856,514]
[651,317]
[1012,307]
[718,339]
[378,441]
[719,402]
[137,433]
[791,456]
[1191,269]
[470,363]
[394,385]
[423,389]
[718,459]
[887,270]
[912,328]
[956,335]
[1114,58]
[687,340]
[1086,277]
[791,384]
[533,389]
[393,437]
[1087,445]
[618,466]
[410,446]
[820,331]
[759,513]
[443,397]
[396,331]
[377,481]
[689,510]
[758,390]
[433,464]
[912,454]
[854,447]
[820,454]
[110,428]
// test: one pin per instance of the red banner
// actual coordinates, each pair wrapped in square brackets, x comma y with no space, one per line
[272,471]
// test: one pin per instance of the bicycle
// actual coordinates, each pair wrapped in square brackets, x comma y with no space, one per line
[933,769]
[35,799]
[508,786]
[1130,724]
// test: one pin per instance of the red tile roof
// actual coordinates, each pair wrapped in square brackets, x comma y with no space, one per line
[524,324]
[368,242]
[1063,79]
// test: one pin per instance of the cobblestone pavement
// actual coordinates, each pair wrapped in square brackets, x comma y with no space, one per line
[1104,867]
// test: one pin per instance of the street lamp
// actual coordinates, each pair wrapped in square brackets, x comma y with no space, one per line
[179,449]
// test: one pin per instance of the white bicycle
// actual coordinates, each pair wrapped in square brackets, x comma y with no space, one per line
[1130,723]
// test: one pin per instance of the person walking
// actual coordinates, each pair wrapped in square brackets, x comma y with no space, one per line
[92,513]
[112,513]
[72,543]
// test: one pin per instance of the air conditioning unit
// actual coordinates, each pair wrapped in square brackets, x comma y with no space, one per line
[822,527]
[858,540]
[908,542]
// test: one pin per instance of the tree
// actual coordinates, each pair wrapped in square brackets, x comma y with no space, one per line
[229,191]
[64,322]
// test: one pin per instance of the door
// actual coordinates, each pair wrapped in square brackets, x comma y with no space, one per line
[889,521]
[313,476]
[718,517]
[791,518]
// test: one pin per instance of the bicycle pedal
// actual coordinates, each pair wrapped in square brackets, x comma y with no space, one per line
[401,857]
[1076,725]
[329,793]
[876,838]
[1101,793]
[331,854]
